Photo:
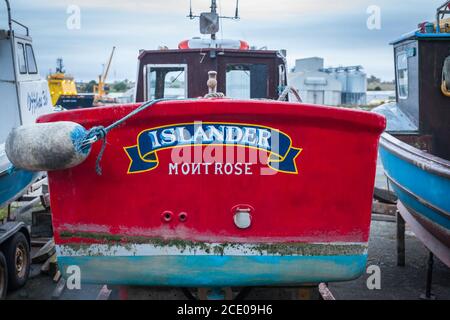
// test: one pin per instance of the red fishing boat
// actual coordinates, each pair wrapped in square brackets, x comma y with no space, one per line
[213,191]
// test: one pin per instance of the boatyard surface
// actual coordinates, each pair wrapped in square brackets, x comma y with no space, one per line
[396,282]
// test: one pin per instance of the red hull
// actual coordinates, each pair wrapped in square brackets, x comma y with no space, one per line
[327,200]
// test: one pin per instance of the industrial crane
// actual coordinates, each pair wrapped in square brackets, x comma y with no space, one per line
[99,90]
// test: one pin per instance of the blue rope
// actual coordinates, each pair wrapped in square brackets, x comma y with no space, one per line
[100,132]
[11,169]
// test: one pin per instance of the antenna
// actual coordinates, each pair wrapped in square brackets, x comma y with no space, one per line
[59,65]
[11,20]
[209,21]
[191,15]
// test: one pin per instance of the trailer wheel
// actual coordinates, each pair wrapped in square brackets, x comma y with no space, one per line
[3,276]
[17,253]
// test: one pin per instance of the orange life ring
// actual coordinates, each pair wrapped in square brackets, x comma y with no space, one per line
[208,43]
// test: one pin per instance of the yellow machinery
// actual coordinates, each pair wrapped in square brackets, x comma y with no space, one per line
[60,84]
[444,25]
[63,90]
[99,90]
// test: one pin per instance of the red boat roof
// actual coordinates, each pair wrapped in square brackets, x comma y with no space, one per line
[178,51]
[368,120]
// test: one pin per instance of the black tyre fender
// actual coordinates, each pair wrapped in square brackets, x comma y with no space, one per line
[17,277]
[3,276]
[446,72]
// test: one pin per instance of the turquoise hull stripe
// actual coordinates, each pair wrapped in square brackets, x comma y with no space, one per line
[430,187]
[215,271]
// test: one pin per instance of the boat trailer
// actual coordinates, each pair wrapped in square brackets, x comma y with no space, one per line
[15,238]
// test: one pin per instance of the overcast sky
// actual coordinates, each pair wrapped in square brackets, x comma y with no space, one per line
[335,30]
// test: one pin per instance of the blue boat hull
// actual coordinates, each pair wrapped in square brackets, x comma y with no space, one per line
[214,271]
[13,183]
[421,183]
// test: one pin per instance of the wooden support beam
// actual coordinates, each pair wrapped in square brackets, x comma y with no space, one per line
[39,184]
[45,266]
[57,276]
[123,293]
[384,208]
[39,242]
[45,252]
[202,293]
[13,214]
[400,240]
[439,249]
[308,293]
[50,267]
[60,286]
[325,292]
[104,293]
[428,295]
[383,217]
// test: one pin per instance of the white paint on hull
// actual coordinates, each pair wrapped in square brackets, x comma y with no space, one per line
[127,250]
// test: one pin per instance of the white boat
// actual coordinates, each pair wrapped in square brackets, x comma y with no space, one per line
[24,96]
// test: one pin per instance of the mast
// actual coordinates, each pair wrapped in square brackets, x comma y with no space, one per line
[210,20]
[59,66]
[213,11]
[8,10]
[213,6]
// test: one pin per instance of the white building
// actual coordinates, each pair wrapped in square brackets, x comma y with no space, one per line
[314,85]
[354,84]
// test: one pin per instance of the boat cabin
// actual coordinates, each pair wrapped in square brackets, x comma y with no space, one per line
[419,64]
[183,73]
[421,115]
[25,95]
[242,72]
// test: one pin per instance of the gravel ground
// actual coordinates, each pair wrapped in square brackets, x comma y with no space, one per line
[397,283]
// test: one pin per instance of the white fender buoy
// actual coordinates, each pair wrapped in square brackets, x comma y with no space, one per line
[47,146]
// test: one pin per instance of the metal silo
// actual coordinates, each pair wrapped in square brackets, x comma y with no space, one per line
[356,81]
[341,75]
[356,90]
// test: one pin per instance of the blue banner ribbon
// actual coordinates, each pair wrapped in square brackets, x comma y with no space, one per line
[282,154]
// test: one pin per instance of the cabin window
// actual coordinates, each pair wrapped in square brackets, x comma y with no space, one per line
[282,76]
[166,81]
[246,81]
[31,61]
[21,58]
[402,75]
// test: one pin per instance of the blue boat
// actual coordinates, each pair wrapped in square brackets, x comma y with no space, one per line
[415,151]
[422,184]
[25,96]
[13,182]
